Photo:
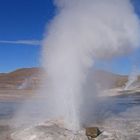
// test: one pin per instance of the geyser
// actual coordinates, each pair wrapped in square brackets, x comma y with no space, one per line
[82,32]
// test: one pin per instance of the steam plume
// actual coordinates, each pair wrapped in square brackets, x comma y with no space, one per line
[82,32]
[133,77]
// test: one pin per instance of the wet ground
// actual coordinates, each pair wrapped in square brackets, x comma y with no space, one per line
[122,111]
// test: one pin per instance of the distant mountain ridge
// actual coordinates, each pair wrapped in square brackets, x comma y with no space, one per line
[109,79]
[29,78]
[17,78]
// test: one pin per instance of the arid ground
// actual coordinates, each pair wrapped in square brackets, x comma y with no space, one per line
[18,86]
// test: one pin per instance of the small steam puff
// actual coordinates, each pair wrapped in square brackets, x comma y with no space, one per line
[82,31]
[133,77]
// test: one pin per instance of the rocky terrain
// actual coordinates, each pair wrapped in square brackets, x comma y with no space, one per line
[22,83]
[26,78]
[29,78]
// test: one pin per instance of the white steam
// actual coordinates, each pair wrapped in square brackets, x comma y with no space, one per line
[133,77]
[82,31]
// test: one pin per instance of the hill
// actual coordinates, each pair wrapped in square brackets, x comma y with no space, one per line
[29,78]
[21,78]
[109,80]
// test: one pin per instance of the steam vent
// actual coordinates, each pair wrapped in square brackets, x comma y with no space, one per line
[54,131]
[49,131]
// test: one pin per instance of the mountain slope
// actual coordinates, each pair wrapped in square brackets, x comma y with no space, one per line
[16,79]
[29,78]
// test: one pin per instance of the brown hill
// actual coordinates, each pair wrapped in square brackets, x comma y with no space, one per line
[29,78]
[18,79]
[110,80]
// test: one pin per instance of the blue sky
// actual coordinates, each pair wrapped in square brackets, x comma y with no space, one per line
[22,20]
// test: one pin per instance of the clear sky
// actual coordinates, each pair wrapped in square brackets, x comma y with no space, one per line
[24,22]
